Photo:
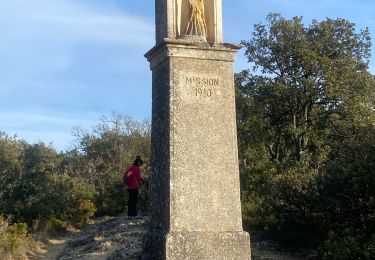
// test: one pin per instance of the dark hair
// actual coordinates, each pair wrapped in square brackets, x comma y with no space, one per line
[138,161]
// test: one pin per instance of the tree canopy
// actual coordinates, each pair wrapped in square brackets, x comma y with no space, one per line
[306,123]
[43,191]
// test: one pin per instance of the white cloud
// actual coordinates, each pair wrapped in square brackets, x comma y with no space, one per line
[88,26]
[60,140]
[54,51]
[16,119]
[46,127]
[67,20]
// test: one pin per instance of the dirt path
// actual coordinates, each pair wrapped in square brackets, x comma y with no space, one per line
[120,237]
[107,238]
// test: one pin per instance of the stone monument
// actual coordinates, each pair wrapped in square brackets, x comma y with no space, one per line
[195,207]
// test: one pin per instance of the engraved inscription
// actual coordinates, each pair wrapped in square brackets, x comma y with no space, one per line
[202,81]
[203,87]
[203,92]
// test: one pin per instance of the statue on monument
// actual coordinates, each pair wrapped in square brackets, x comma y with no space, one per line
[197,23]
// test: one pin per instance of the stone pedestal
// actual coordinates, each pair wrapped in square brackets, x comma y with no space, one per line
[195,204]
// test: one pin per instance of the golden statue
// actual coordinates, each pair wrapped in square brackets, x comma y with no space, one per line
[197,23]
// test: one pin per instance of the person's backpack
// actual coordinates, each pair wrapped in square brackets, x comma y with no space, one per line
[128,177]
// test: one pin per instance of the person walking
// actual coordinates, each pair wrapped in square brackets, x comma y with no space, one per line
[133,179]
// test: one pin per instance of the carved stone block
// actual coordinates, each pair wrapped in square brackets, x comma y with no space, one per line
[195,197]
[195,207]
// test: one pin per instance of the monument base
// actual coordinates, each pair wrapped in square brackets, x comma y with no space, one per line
[195,206]
[197,245]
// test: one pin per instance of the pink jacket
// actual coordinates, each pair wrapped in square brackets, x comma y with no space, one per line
[136,179]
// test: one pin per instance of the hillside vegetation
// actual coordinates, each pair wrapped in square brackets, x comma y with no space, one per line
[306,131]
[306,123]
[43,192]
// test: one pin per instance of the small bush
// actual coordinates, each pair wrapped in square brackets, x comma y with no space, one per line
[348,246]
[55,226]
[82,213]
[13,238]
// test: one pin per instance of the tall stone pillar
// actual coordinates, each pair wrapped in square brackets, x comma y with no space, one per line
[195,204]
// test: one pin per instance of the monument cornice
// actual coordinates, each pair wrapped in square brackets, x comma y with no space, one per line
[182,48]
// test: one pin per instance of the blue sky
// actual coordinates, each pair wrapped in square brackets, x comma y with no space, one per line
[66,63]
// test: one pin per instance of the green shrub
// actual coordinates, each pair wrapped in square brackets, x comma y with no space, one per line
[112,201]
[82,213]
[55,226]
[348,246]
[13,238]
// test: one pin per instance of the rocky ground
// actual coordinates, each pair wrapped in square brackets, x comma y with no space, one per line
[106,238]
[120,237]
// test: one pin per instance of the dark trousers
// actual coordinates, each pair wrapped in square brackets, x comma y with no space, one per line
[132,203]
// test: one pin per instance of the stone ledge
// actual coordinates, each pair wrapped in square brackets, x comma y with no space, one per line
[198,245]
[180,48]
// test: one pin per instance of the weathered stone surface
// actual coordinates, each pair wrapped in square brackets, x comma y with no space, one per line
[199,245]
[194,193]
